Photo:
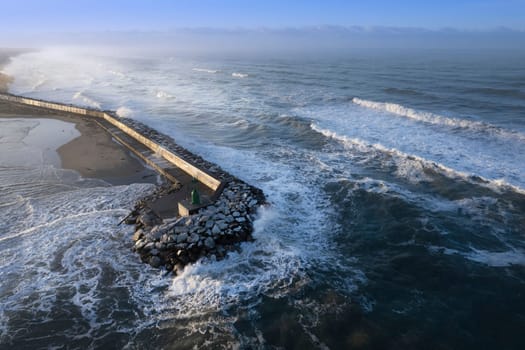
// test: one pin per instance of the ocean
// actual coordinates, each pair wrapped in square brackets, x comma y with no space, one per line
[397,217]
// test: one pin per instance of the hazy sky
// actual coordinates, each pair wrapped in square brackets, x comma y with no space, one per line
[281,23]
[81,15]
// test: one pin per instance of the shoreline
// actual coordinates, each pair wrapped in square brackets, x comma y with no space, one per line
[93,154]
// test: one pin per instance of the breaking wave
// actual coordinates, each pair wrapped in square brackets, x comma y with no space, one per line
[412,166]
[436,119]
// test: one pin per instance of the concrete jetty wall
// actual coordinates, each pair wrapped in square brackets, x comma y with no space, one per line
[199,174]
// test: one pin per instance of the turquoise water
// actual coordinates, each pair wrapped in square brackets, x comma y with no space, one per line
[398,204]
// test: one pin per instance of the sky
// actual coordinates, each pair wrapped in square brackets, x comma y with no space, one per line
[32,21]
[81,15]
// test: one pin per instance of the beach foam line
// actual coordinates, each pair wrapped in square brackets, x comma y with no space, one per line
[431,118]
[497,185]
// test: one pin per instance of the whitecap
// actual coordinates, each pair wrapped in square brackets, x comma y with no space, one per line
[239,75]
[411,166]
[431,118]
[204,70]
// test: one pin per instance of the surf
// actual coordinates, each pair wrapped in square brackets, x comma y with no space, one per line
[432,118]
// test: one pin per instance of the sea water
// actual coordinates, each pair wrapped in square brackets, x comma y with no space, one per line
[397,218]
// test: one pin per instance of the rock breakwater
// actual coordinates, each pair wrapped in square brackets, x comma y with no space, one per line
[212,231]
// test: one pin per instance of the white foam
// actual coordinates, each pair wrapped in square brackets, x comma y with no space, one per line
[164,95]
[84,100]
[124,112]
[412,165]
[76,236]
[436,119]
[490,258]
[497,259]
[39,83]
[117,73]
[239,75]
[204,70]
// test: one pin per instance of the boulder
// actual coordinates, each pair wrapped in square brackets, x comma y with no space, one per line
[155,261]
[209,243]
[138,234]
[182,237]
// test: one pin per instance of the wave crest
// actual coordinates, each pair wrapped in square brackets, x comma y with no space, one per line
[412,167]
[431,118]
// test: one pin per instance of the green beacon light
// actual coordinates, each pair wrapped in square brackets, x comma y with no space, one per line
[195,198]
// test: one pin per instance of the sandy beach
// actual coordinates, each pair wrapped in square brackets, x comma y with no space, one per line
[94,154]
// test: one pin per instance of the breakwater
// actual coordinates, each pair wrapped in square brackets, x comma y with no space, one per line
[210,227]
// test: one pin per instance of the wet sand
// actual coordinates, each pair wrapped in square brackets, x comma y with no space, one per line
[94,154]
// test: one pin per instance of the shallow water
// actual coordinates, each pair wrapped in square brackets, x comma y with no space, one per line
[397,218]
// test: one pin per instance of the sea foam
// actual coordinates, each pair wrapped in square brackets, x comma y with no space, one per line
[205,70]
[239,75]
[411,166]
[436,119]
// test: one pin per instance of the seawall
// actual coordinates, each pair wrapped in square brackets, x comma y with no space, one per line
[199,174]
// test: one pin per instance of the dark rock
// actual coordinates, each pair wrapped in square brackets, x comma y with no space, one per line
[182,237]
[149,219]
[209,243]
[131,220]
[155,261]
[194,238]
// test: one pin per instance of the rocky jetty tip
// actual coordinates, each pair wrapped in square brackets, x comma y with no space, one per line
[212,231]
